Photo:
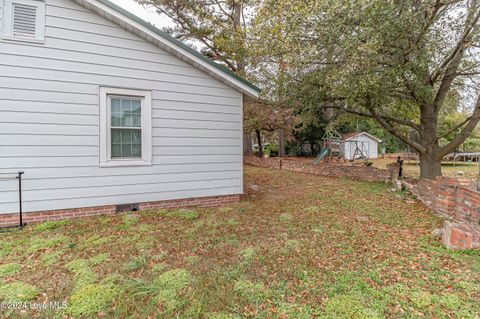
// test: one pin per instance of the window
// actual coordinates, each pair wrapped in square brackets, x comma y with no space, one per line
[24,20]
[125,127]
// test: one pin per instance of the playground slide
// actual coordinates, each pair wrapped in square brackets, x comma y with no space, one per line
[323,153]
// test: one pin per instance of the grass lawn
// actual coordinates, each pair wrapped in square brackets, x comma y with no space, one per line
[412,169]
[297,246]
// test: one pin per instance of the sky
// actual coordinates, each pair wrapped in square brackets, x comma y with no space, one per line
[146,13]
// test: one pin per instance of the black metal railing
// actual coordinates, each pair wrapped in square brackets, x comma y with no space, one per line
[15,176]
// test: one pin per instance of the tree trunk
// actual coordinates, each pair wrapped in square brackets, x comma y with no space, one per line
[430,166]
[430,159]
[281,143]
[260,145]
[247,145]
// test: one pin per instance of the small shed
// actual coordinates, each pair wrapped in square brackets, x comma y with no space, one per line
[356,144]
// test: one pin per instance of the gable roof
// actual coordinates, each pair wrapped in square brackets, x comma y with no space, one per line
[150,33]
[350,136]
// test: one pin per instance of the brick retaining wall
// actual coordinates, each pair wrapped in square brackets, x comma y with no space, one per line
[364,173]
[449,197]
[212,201]
[453,199]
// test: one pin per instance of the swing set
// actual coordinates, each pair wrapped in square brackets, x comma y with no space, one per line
[332,144]
[359,153]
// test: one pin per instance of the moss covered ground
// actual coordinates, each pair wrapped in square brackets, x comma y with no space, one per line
[296,246]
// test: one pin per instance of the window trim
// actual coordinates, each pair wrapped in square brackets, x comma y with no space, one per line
[106,159]
[7,31]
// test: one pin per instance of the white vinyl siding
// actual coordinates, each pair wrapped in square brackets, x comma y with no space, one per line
[370,145]
[1,17]
[49,118]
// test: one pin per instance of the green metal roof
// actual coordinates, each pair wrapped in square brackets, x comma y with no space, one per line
[180,44]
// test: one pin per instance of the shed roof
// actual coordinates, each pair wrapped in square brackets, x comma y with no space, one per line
[152,34]
[351,136]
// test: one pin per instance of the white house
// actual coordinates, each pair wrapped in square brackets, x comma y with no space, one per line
[356,145]
[100,108]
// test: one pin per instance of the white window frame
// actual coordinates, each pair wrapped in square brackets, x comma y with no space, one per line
[8,21]
[106,159]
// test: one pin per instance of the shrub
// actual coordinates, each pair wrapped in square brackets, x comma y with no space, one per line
[9,269]
[271,150]
[17,291]
[294,148]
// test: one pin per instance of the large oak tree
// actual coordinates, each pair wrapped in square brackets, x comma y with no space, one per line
[400,62]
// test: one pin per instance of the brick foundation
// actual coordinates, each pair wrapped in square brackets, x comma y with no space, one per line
[33,217]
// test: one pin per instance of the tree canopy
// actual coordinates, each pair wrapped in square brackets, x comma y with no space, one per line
[411,66]
[398,62]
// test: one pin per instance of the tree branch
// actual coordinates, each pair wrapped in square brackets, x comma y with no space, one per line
[455,128]
[470,23]
[467,130]
[386,118]
[392,129]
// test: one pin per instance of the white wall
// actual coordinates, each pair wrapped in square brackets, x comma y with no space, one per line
[370,144]
[49,118]
[1,16]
